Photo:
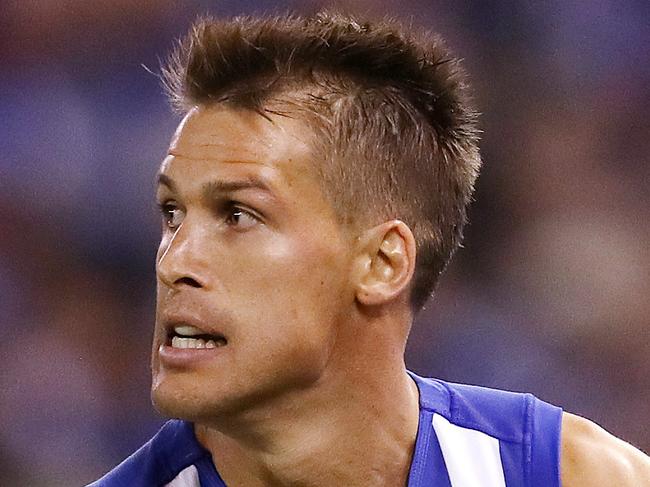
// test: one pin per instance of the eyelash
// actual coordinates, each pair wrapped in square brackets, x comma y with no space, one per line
[234,207]
[229,208]
[165,210]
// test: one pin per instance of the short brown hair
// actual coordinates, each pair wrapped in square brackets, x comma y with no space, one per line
[389,108]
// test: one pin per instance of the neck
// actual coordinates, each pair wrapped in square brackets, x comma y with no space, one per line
[356,429]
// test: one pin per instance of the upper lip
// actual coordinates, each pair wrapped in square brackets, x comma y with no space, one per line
[170,321]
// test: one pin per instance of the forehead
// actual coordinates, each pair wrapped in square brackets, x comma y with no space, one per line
[219,134]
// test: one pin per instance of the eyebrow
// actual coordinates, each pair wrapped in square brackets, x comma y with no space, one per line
[212,188]
[164,180]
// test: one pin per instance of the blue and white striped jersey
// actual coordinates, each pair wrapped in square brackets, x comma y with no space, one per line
[474,436]
[468,436]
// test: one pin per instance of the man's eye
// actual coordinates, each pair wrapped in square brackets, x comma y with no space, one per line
[172,215]
[240,218]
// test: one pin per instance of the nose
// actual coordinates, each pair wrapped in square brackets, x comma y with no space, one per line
[180,261]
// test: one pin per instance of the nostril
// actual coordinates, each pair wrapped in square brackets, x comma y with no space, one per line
[188,281]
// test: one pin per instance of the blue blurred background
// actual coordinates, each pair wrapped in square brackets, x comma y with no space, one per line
[549,295]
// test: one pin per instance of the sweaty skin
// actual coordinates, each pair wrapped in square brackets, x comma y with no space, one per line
[307,386]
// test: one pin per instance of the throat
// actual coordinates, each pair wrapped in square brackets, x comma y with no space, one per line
[328,449]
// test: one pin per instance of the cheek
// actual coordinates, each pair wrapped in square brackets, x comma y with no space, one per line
[293,286]
[296,270]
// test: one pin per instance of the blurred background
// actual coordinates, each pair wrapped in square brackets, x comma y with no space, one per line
[551,293]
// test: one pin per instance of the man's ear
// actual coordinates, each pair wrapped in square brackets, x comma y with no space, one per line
[385,262]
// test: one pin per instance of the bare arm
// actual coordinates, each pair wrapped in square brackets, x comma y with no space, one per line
[591,457]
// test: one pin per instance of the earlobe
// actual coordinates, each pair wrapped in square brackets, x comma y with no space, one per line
[386,263]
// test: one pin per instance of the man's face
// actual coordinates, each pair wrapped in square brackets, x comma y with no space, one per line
[252,265]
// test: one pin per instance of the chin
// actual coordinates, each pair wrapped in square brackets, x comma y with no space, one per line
[174,397]
[172,403]
[177,402]
[226,391]
[214,402]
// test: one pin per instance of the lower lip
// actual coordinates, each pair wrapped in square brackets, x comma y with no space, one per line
[186,357]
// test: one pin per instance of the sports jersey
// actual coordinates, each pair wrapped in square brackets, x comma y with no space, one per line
[468,436]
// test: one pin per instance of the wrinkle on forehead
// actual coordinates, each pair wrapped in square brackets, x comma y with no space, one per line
[178,155]
[246,137]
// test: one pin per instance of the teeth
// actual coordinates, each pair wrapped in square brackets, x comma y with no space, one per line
[187,330]
[181,342]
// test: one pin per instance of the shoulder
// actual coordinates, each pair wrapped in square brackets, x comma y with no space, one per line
[157,461]
[591,457]
[509,416]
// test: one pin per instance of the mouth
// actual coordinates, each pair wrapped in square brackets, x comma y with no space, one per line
[185,336]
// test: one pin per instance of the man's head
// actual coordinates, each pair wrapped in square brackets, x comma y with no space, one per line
[316,159]
[394,135]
